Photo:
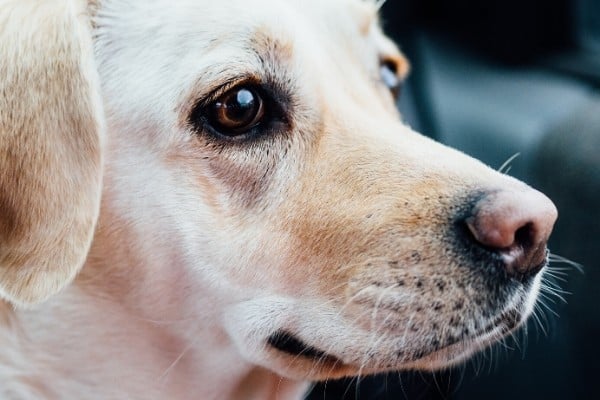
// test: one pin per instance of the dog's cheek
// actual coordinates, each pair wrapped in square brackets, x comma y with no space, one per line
[244,176]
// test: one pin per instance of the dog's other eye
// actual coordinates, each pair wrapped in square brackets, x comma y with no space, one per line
[389,76]
[237,111]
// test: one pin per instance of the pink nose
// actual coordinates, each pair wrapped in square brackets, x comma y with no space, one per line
[515,224]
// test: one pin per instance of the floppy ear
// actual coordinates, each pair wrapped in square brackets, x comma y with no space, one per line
[51,134]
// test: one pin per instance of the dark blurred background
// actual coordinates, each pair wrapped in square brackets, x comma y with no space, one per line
[495,78]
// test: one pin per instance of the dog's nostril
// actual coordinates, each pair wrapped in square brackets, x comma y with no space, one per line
[516,225]
[524,236]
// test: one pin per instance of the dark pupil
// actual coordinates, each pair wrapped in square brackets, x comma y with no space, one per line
[238,109]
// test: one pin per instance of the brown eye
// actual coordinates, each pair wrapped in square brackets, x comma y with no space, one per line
[236,112]
[389,76]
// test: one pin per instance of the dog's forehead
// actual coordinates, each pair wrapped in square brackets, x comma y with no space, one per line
[235,20]
[199,40]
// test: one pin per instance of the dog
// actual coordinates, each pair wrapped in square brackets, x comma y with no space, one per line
[219,200]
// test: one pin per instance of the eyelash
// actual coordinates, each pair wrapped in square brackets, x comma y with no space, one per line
[274,105]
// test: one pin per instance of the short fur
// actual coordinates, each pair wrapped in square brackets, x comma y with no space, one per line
[336,229]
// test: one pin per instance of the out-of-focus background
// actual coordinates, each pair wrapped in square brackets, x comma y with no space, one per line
[495,78]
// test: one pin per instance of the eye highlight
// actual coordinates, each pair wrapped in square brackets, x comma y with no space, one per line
[242,111]
[388,71]
[237,111]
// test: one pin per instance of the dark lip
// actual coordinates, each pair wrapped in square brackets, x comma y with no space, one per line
[290,344]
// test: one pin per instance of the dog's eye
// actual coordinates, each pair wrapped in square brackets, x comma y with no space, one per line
[389,76]
[237,111]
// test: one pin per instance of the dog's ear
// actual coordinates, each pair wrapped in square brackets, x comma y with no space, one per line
[51,135]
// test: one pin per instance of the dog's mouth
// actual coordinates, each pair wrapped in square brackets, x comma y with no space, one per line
[292,345]
[432,358]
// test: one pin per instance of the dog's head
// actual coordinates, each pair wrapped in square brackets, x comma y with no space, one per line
[259,176]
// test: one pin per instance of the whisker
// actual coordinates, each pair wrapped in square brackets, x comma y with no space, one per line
[373,312]
[402,388]
[357,387]
[549,283]
[514,339]
[555,258]
[557,276]
[373,342]
[321,359]
[461,378]
[166,321]
[541,302]
[505,167]
[525,338]
[555,290]
[547,297]
[162,378]
[538,320]
[558,270]
[350,383]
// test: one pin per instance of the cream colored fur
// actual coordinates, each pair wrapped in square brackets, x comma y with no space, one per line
[333,229]
[51,128]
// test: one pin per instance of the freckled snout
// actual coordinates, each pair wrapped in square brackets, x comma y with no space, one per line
[516,225]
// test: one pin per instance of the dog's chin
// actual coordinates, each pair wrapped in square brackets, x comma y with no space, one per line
[296,358]
[304,341]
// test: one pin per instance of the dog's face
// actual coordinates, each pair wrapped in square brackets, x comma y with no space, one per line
[258,173]
[259,144]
